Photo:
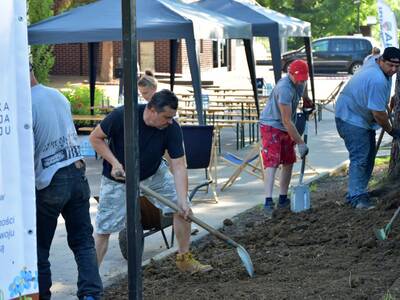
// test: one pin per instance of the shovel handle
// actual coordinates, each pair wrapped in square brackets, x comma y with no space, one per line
[303,162]
[199,222]
[393,218]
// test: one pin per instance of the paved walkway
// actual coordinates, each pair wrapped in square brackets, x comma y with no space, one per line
[326,152]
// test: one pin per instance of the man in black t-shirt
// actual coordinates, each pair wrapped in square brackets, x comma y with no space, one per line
[158,132]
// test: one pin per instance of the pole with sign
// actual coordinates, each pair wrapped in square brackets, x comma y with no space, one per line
[18,271]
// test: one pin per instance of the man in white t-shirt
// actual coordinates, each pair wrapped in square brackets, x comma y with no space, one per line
[61,188]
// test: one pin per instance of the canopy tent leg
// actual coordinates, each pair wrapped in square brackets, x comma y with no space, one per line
[173,57]
[194,65]
[307,43]
[248,46]
[92,47]
[274,44]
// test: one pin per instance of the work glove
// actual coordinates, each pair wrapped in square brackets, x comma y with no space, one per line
[303,150]
[395,133]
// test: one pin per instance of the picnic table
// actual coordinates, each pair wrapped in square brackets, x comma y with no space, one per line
[218,95]
[92,118]
[228,116]
[224,89]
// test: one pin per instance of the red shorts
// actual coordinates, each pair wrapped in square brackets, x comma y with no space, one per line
[278,147]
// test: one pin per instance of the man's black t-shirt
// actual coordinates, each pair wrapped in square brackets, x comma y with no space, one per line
[152,142]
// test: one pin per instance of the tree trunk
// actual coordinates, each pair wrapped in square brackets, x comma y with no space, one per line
[107,63]
[394,165]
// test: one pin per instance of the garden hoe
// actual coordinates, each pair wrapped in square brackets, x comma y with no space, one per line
[383,233]
[243,254]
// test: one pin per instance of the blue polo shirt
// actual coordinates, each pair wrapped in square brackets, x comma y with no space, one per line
[287,93]
[368,90]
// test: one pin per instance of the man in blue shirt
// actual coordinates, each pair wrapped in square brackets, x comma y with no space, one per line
[360,110]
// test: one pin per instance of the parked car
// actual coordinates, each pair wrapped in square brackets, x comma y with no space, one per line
[334,54]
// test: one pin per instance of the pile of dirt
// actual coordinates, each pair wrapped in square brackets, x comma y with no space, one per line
[328,252]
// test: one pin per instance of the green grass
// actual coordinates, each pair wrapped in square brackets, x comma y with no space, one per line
[383,160]
[313,187]
[388,296]
[377,180]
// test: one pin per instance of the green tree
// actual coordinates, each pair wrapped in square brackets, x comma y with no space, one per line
[329,17]
[42,55]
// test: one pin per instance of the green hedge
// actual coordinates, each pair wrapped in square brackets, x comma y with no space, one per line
[79,97]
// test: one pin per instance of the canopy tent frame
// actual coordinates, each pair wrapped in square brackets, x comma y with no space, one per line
[54,31]
[267,23]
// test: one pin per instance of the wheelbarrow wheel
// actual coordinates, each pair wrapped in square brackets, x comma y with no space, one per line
[123,243]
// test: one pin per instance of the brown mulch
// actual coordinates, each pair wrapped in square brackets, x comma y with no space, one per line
[328,252]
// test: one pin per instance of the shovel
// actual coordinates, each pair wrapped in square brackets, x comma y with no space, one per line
[383,233]
[301,193]
[243,254]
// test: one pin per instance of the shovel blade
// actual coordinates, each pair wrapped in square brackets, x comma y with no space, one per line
[381,234]
[301,198]
[245,257]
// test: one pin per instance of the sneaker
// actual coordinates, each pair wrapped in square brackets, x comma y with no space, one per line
[364,203]
[269,208]
[352,202]
[284,204]
[187,263]
[88,298]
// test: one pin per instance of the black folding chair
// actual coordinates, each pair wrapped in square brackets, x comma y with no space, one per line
[200,153]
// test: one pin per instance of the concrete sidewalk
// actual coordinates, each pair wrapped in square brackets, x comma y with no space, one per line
[327,151]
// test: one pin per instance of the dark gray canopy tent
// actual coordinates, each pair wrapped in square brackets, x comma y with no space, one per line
[268,23]
[156,20]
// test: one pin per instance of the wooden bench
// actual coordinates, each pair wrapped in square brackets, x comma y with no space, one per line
[86,129]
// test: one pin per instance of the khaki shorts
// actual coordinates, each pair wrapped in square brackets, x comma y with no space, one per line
[111,210]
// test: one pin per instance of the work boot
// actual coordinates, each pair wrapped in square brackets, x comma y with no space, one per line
[187,263]
[269,207]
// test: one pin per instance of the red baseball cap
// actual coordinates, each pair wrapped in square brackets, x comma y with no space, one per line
[299,70]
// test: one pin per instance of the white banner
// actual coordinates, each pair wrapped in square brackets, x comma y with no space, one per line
[388,25]
[18,271]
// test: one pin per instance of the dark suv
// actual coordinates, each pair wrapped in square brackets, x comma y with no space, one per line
[334,54]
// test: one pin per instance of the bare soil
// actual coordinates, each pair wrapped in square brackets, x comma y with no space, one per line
[328,252]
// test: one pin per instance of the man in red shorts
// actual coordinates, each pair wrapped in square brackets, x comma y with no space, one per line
[279,134]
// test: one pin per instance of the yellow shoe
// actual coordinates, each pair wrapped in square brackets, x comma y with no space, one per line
[187,263]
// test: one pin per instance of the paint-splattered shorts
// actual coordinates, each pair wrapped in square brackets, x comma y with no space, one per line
[278,147]
[111,209]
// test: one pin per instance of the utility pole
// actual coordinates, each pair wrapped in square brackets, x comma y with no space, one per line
[133,228]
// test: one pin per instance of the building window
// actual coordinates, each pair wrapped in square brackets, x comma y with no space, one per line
[220,53]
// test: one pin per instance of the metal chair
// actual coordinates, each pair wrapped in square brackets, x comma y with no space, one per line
[252,162]
[200,153]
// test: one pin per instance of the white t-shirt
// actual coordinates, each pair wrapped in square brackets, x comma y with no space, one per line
[56,140]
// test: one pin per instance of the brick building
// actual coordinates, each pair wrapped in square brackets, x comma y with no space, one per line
[72,59]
